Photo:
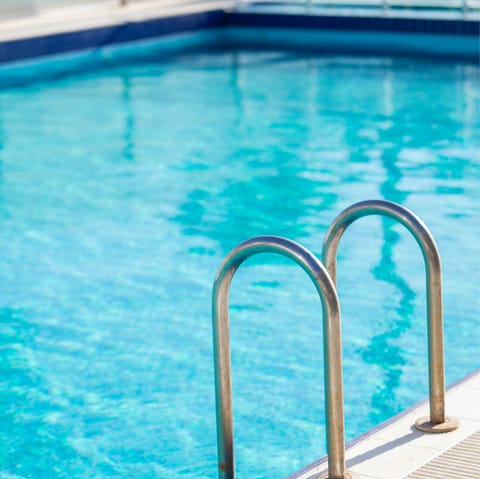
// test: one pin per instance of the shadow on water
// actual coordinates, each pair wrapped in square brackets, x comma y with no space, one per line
[32,440]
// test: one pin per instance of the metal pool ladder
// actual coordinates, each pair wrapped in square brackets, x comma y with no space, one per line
[324,279]
[437,422]
[332,350]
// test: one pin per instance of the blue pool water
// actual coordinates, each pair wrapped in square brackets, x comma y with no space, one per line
[123,185]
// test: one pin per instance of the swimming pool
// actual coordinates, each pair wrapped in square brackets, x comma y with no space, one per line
[122,187]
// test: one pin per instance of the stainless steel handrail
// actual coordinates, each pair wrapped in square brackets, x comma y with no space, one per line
[437,422]
[331,344]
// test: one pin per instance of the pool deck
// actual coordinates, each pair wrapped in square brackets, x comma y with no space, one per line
[81,18]
[396,450]
[352,11]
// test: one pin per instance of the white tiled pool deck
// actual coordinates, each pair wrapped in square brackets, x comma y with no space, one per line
[396,449]
[78,18]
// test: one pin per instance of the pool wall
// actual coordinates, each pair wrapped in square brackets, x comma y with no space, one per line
[453,38]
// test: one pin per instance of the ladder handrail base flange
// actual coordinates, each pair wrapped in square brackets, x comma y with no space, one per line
[348,475]
[425,425]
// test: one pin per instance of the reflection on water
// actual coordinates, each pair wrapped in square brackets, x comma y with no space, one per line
[266,189]
[128,152]
[383,349]
[262,194]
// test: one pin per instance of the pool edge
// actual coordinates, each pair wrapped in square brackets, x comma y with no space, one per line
[311,470]
[322,33]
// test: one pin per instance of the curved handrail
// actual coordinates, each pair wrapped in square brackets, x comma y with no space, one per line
[438,421]
[331,341]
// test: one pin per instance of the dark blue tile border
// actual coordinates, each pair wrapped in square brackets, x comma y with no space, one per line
[115,34]
[371,24]
[155,28]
